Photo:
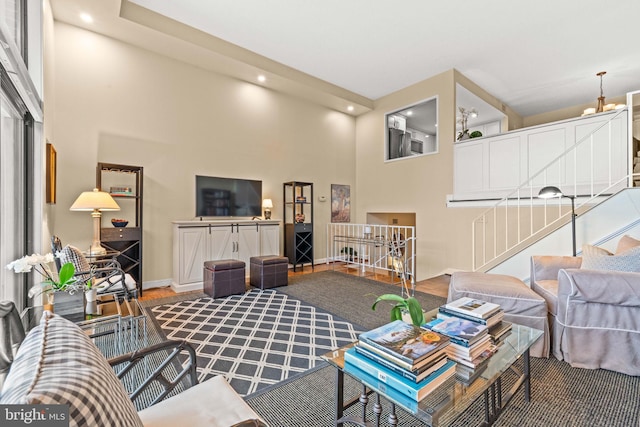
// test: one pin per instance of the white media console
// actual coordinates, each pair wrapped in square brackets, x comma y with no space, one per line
[195,242]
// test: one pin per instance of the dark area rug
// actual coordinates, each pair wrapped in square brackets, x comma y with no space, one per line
[350,297]
[561,395]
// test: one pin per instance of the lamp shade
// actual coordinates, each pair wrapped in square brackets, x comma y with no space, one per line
[94,200]
[550,192]
[267,203]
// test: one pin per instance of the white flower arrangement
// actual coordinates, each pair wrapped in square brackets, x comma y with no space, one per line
[62,281]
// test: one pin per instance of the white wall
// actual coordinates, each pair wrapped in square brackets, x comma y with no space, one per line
[121,104]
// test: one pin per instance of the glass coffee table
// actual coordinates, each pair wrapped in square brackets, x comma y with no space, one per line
[453,397]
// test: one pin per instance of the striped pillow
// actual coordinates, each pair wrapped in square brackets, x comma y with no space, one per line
[58,364]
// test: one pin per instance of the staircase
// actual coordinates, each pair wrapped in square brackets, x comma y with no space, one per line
[601,225]
[521,224]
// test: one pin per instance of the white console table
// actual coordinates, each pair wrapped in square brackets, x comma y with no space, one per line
[195,242]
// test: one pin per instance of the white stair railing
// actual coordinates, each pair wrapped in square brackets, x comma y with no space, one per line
[585,170]
[371,247]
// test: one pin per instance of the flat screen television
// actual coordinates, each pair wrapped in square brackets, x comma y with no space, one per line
[228,197]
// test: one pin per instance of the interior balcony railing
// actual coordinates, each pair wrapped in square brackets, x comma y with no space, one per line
[371,248]
[594,167]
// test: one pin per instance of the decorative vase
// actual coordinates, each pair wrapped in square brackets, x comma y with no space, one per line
[70,306]
[91,297]
[464,135]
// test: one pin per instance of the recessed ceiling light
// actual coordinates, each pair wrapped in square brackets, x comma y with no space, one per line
[262,78]
[409,113]
[350,108]
[86,18]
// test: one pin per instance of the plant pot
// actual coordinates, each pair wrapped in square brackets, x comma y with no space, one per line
[91,296]
[70,306]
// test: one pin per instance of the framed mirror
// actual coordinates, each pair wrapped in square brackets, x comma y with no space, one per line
[412,131]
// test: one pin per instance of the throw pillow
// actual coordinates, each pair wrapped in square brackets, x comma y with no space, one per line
[58,364]
[626,242]
[594,251]
[625,261]
[76,257]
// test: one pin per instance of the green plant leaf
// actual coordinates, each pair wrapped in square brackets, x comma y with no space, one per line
[66,273]
[415,310]
[388,297]
[396,313]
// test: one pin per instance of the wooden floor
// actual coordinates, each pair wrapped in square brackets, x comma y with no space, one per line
[436,285]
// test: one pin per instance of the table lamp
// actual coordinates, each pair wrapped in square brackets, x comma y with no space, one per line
[267,204]
[95,201]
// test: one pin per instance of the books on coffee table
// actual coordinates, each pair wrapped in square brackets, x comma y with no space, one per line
[460,331]
[415,375]
[416,391]
[403,343]
[473,307]
[489,321]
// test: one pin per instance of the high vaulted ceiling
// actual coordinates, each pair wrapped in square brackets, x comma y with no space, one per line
[533,56]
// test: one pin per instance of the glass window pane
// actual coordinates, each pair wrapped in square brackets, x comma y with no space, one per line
[12,195]
[12,16]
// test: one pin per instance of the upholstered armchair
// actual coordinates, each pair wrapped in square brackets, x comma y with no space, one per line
[595,314]
[59,364]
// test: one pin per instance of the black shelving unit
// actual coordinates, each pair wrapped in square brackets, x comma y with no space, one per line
[126,240]
[298,222]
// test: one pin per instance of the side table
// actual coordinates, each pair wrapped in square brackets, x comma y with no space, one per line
[116,326]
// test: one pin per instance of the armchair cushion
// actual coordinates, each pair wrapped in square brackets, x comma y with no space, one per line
[58,364]
[211,403]
[544,277]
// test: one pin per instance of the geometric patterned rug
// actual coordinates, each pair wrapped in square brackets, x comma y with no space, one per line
[256,339]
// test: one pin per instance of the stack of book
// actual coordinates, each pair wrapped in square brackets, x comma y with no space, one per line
[411,360]
[482,312]
[467,323]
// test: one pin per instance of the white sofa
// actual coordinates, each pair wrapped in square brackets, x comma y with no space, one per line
[58,363]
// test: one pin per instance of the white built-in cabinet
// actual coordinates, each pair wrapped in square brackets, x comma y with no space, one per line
[195,242]
[491,168]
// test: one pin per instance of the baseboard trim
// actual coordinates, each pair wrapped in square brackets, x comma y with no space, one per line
[197,286]
[162,283]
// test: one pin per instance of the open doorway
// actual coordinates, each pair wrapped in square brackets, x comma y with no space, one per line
[400,219]
[406,219]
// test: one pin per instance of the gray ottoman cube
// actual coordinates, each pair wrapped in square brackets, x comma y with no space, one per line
[268,271]
[521,305]
[224,277]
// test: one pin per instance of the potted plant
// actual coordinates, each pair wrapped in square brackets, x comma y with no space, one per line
[63,281]
[408,305]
